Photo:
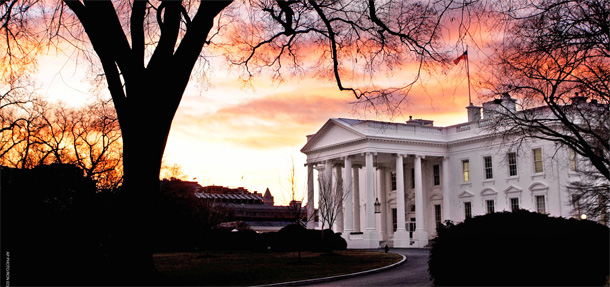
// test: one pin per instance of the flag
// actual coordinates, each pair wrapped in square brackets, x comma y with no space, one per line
[462,57]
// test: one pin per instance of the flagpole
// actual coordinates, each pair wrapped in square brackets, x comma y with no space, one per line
[468,75]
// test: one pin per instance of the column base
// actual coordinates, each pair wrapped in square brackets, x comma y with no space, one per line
[361,240]
[368,239]
[421,238]
[401,239]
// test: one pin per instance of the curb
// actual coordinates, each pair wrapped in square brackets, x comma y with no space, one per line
[337,277]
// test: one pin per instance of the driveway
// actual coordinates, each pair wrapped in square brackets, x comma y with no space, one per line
[414,272]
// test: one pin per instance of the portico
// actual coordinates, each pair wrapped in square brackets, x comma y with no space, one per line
[387,168]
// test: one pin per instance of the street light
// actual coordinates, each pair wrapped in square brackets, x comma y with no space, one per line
[583,216]
[377,206]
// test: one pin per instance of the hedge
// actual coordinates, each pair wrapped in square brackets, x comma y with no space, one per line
[520,248]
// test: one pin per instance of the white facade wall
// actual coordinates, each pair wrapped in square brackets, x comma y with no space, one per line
[446,147]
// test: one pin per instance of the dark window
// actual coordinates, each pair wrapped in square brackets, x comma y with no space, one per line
[514,204]
[412,227]
[437,214]
[412,178]
[490,206]
[436,170]
[394,219]
[467,210]
[393,180]
[540,206]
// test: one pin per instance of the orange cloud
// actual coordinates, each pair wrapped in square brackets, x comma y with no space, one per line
[263,123]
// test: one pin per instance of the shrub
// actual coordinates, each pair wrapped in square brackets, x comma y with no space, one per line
[520,248]
[294,237]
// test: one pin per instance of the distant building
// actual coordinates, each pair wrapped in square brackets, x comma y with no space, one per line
[256,210]
[402,180]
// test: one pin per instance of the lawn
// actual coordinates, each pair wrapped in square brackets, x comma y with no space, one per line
[242,268]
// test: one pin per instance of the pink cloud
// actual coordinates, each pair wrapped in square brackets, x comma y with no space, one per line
[269,122]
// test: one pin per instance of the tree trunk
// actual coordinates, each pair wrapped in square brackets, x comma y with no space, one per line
[144,137]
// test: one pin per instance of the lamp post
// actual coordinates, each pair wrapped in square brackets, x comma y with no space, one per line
[377,206]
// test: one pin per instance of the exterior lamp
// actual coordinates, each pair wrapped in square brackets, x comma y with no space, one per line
[377,206]
[583,216]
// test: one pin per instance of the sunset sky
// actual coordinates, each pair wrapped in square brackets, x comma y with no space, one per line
[233,135]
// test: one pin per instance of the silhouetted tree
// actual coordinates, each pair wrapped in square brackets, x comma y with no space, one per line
[295,197]
[330,200]
[148,49]
[555,58]
[37,132]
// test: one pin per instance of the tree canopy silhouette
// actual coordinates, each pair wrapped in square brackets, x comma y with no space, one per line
[147,51]
[555,58]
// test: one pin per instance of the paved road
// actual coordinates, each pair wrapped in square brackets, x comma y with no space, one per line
[414,272]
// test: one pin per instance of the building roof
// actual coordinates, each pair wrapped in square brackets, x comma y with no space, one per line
[229,196]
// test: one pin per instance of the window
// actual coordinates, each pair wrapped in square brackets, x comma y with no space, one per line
[412,227]
[537,152]
[393,175]
[466,169]
[489,173]
[572,158]
[436,170]
[512,163]
[540,208]
[467,210]
[437,215]
[490,206]
[394,219]
[412,178]
[514,204]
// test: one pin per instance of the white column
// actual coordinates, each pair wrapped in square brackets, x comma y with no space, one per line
[348,203]
[383,202]
[370,234]
[356,193]
[401,236]
[311,224]
[446,189]
[420,233]
[388,215]
[339,189]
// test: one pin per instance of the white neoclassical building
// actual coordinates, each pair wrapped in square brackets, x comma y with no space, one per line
[422,175]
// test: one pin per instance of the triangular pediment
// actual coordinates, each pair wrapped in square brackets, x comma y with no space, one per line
[331,134]
[465,194]
[512,189]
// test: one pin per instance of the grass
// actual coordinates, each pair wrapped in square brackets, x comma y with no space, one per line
[242,268]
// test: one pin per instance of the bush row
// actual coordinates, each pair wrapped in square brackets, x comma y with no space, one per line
[520,248]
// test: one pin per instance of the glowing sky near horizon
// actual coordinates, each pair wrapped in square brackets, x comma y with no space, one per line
[233,136]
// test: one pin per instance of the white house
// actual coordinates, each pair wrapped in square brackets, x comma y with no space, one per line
[422,175]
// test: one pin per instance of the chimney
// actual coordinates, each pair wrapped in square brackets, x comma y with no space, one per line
[474,113]
[504,104]
[577,100]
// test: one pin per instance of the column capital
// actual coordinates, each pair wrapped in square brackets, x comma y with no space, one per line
[311,163]
[446,158]
[358,166]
